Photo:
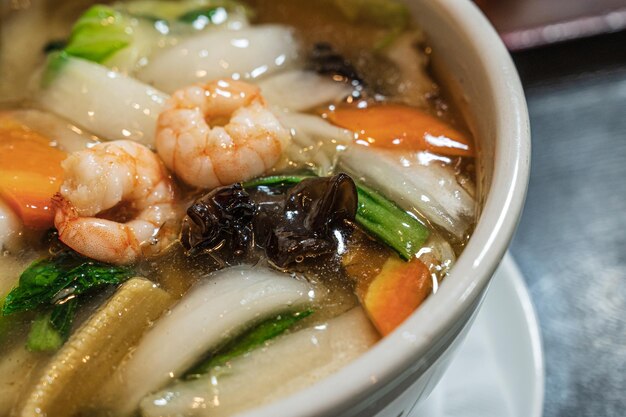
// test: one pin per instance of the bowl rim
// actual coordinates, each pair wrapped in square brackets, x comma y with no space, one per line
[469,278]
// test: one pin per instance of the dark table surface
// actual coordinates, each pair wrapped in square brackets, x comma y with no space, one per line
[571,242]
[529,23]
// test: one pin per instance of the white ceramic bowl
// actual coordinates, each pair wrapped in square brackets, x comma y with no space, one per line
[403,368]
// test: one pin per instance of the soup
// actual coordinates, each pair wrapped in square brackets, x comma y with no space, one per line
[210,204]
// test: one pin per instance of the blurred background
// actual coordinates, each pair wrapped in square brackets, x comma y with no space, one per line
[571,243]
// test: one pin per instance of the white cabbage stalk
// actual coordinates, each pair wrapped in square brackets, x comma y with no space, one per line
[151,37]
[299,90]
[288,364]
[415,84]
[429,190]
[146,40]
[440,249]
[107,103]
[209,315]
[315,142]
[65,135]
[245,54]
[233,18]
[437,254]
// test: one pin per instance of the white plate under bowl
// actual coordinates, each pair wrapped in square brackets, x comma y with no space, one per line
[498,371]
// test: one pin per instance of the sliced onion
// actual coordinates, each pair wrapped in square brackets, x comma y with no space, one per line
[429,190]
[212,313]
[290,363]
[248,53]
[107,103]
[299,90]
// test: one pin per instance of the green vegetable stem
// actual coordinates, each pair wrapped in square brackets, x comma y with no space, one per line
[43,336]
[276,180]
[51,329]
[389,223]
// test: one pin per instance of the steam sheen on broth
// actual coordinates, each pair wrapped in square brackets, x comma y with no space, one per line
[206,205]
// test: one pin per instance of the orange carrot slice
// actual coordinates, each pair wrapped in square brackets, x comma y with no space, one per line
[402,127]
[396,292]
[30,172]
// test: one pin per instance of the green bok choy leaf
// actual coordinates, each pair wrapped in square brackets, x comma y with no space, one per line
[52,287]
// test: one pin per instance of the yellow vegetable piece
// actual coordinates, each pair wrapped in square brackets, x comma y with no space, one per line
[75,374]
[30,172]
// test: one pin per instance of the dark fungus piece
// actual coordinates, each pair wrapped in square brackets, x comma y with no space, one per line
[220,223]
[316,215]
[325,60]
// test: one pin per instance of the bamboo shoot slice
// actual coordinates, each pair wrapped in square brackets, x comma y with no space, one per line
[75,373]
[16,367]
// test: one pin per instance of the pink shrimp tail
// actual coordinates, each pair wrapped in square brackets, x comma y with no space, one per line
[99,239]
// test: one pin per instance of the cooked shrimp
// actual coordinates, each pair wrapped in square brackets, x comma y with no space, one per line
[192,142]
[103,177]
